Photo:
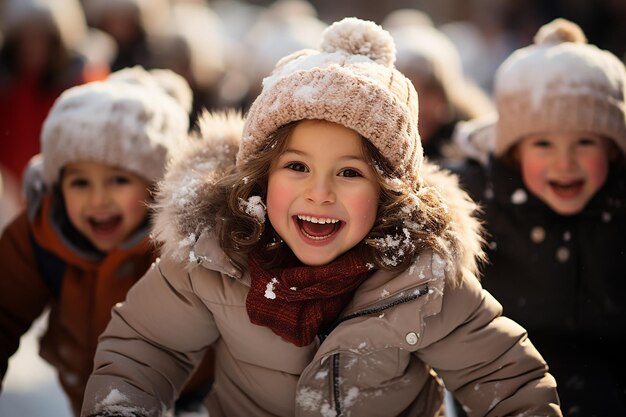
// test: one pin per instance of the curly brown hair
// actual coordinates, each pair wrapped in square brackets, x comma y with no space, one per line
[408,222]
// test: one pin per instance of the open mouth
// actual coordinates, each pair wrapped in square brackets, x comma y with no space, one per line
[567,189]
[318,228]
[105,225]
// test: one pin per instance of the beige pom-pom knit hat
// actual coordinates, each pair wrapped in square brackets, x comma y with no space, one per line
[350,81]
[560,83]
[131,120]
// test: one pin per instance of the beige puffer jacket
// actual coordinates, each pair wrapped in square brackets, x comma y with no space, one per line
[400,337]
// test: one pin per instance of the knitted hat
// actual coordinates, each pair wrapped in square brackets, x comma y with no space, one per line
[351,81]
[560,83]
[131,120]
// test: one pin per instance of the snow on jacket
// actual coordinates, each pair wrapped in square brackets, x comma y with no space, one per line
[380,359]
[46,264]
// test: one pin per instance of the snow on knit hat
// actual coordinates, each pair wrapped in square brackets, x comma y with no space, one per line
[560,83]
[351,81]
[131,120]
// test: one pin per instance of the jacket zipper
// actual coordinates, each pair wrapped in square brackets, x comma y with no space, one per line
[399,299]
[335,382]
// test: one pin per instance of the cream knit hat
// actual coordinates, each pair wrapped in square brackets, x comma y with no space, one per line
[351,81]
[131,120]
[560,83]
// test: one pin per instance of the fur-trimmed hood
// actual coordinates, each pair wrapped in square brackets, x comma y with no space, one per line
[181,226]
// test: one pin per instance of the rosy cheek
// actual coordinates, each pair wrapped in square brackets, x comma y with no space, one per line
[598,169]
[277,199]
[364,208]
[532,172]
[139,210]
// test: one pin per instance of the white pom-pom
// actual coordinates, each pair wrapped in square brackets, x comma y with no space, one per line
[558,31]
[360,37]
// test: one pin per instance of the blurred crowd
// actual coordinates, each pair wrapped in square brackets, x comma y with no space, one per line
[450,49]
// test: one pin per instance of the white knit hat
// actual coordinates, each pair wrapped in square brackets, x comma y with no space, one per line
[560,83]
[351,81]
[131,120]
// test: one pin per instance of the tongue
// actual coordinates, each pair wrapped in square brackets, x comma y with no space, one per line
[105,226]
[317,229]
[567,191]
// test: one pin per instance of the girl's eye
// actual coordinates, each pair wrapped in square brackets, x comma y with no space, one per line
[350,173]
[542,143]
[120,180]
[79,183]
[587,142]
[297,166]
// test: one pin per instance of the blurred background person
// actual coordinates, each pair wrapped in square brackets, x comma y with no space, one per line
[284,27]
[10,198]
[84,238]
[192,45]
[553,192]
[432,63]
[487,34]
[237,17]
[40,56]
[132,24]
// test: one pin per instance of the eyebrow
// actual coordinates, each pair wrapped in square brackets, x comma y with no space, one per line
[342,158]
[73,171]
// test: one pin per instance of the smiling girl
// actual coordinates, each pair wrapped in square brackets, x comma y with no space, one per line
[330,267]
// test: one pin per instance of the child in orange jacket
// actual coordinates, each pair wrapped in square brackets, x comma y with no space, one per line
[83,241]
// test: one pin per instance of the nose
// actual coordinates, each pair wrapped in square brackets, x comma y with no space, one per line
[99,197]
[566,159]
[320,190]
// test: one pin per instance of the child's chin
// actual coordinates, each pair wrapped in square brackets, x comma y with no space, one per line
[104,245]
[567,209]
[315,260]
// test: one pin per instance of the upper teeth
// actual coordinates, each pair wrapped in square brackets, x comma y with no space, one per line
[316,219]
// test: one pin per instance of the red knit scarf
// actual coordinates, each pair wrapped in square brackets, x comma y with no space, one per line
[297,301]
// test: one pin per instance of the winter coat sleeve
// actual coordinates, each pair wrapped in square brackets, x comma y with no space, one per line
[23,293]
[151,345]
[486,359]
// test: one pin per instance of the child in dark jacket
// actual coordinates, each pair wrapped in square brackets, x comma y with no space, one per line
[554,197]
[328,264]
[83,240]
